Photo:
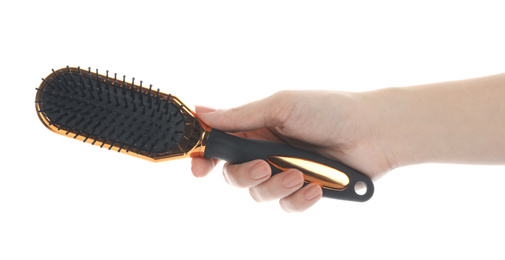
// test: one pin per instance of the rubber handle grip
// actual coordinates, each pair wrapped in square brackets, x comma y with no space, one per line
[236,150]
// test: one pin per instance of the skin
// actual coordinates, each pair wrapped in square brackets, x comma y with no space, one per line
[373,132]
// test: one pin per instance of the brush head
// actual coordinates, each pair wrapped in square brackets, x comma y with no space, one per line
[114,114]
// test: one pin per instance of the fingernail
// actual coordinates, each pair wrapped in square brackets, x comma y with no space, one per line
[312,192]
[197,171]
[292,179]
[203,109]
[258,171]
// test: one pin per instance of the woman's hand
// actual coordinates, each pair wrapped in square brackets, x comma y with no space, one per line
[337,125]
[372,132]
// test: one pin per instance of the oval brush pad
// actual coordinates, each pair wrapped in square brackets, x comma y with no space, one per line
[114,114]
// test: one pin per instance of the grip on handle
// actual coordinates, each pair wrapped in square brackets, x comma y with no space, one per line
[337,180]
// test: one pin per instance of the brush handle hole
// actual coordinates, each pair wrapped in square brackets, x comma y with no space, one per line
[360,188]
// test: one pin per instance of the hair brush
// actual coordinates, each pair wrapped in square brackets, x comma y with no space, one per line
[125,117]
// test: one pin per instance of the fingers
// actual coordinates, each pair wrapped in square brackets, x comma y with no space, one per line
[279,186]
[247,174]
[286,186]
[303,199]
[202,166]
[256,175]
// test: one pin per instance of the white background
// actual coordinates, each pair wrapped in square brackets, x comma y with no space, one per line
[61,199]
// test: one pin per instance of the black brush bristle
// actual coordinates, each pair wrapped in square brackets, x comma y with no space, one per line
[116,114]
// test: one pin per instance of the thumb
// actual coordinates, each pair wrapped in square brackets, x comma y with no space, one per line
[266,112]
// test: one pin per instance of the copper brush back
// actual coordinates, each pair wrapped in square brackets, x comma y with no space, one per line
[109,112]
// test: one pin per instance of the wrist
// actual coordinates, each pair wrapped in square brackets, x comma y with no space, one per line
[395,115]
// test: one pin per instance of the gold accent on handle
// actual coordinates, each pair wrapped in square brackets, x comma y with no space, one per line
[326,176]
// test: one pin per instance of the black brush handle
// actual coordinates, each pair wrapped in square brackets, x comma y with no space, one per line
[237,150]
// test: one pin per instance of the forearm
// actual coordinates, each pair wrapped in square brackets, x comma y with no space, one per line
[454,122]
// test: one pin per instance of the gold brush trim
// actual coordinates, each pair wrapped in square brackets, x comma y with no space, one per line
[324,175]
[191,145]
